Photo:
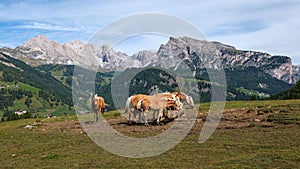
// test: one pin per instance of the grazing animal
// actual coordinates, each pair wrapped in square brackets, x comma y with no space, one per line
[99,106]
[158,102]
[184,98]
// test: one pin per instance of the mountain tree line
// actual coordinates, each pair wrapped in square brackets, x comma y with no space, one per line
[31,76]
[8,96]
[293,93]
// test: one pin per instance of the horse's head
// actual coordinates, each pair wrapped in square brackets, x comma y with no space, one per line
[185,99]
[190,101]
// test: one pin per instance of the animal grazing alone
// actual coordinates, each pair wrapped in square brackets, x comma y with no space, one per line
[99,106]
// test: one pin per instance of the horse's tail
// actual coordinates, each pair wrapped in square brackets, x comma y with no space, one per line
[128,101]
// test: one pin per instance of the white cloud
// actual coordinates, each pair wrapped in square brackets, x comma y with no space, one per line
[46,26]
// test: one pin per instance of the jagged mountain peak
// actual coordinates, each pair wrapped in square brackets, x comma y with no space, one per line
[38,38]
[76,42]
[38,41]
[107,50]
[199,53]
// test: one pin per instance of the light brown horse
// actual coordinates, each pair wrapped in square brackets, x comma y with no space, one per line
[141,103]
[158,103]
[99,106]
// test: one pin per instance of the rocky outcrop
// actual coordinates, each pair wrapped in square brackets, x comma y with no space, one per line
[296,73]
[145,57]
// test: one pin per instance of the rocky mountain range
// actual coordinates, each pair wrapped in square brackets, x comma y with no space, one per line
[217,55]
[200,54]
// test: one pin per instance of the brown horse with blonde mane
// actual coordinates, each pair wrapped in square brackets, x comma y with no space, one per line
[99,106]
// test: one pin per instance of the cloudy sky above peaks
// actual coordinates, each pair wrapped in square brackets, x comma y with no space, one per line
[270,26]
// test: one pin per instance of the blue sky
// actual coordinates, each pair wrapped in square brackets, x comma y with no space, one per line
[270,26]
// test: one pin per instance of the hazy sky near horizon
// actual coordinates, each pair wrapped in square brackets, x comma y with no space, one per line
[270,26]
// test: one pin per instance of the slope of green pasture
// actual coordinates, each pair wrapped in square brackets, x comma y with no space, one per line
[63,147]
[28,87]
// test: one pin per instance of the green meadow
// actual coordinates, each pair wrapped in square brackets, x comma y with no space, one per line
[61,143]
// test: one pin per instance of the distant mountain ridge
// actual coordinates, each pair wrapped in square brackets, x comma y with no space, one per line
[225,56]
[39,50]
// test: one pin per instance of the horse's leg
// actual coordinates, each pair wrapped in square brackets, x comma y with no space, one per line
[98,113]
[140,116]
[134,112]
[145,117]
[154,114]
[164,114]
[95,116]
[129,116]
[102,111]
[160,114]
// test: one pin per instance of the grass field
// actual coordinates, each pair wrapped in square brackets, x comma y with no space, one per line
[61,143]
[27,87]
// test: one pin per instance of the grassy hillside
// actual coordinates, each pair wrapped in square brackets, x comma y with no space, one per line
[64,73]
[22,72]
[256,80]
[23,87]
[39,106]
[61,143]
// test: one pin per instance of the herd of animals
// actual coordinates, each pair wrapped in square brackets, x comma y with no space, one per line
[141,104]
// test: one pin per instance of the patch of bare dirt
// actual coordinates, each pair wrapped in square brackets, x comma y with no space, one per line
[68,126]
[231,118]
[122,125]
[241,118]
